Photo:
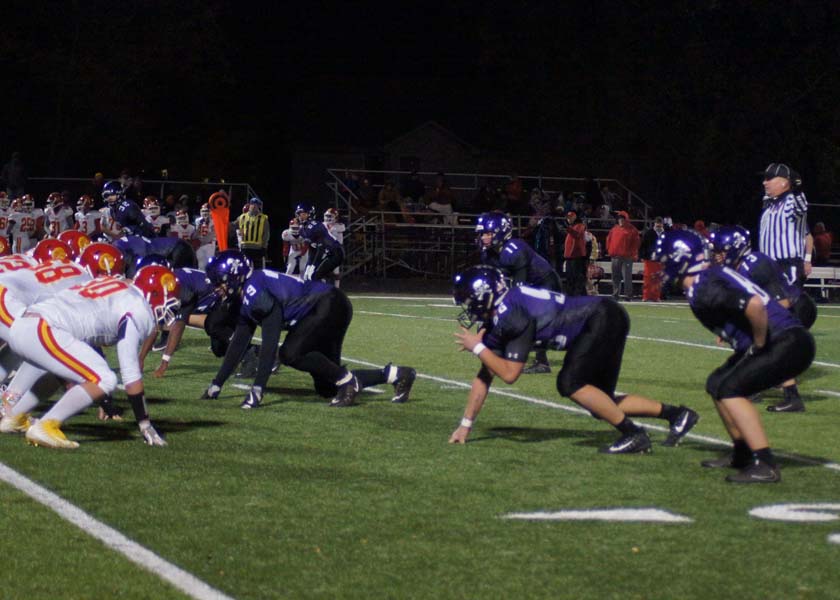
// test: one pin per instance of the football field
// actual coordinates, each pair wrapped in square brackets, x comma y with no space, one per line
[299,500]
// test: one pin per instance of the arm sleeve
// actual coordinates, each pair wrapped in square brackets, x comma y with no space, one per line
[127,351]
[795,205]
[238,345]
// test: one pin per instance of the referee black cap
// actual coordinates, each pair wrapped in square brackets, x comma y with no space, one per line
[778,170]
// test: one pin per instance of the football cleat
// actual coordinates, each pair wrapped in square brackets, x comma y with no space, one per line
[15,423]
[537,368]
[47,433]
[632,443]
[253,399]
[756,472]
[402,384]
[684,422]
[793,404]
[346,395]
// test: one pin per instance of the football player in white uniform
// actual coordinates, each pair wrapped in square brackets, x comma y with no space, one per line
[26,224]
[88,219]
[184,229]
[59,216]
[206,232]
[295,248]
[160,223]
[58,335]
[5,211]
[336,229]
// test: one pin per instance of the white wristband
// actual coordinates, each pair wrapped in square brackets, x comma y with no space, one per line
[807,258]
[166,357]
[479,347]
[468,423]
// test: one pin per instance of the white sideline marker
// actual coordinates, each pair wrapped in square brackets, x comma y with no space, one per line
[113,539]
[627,515]
[801,513]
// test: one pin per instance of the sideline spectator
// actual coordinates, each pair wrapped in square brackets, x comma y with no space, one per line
[594,272]
[623,242]
[822,245]
[651,285]
[541,223]
[575,256]
[14,176]
[700,227]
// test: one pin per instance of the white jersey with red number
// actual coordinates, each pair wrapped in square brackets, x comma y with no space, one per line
[158,223]
[4,221]
[89,222]
[205,231]
[21,286]
[95,312]
[59,219]
[185,232]
[24,228]
[108,224]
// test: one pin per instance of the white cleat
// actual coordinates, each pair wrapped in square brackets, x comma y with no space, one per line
[48,434]
[15,423]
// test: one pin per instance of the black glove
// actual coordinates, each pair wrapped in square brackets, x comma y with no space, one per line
[212,392]
[795,182]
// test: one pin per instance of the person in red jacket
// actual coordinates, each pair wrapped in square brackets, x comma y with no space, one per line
[822,245]
[623,243]
[575,255]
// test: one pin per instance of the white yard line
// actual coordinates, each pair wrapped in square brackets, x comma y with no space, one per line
[113,539]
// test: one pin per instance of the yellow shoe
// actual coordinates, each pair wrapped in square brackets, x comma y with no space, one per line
[15,424]
[47,433]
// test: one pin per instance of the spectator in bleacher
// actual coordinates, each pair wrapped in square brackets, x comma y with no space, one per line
[541,224]
[389,201]
[442,200]
[94,187]
[623,242]
[413,190]
[651,285]
[517,205]
[822,245]
[700,227]
[575,256]
[484,200]
[610,198]
[14,176]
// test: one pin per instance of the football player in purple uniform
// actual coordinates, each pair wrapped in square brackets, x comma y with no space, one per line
[770,346]
[592,330]
[316,316]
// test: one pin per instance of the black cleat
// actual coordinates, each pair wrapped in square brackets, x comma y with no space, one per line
[756,472]
[788,405]
[346,395]
[248,365]
[537,369]
[684,422]
[632,443]
[402,384]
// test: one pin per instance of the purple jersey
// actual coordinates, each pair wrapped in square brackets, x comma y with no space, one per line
[197,293]
[318,236]
[265,290]
[766,274]
[719,298]
[521,263]
[128,214]
[527,315]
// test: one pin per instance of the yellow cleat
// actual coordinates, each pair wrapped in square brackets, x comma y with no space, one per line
[15,423]
[47,433]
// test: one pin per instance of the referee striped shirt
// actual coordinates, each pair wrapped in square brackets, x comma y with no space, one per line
[784,226]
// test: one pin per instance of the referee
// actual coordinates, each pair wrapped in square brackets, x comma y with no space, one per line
[253,233]
[784,226]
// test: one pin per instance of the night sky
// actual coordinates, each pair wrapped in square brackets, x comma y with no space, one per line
[685,101]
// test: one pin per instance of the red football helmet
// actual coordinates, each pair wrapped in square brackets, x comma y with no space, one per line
[5,201]
[77,241]
[84,204]
[27,203]
[162,291]
[51,249]
[182,217]
[54,200]
[102,259]
[151,206]
[204,213]
[294,227]
[5,249]
[331,215]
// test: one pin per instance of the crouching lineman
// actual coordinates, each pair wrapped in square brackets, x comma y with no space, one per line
[592,330]
[770,347]
[731,247]
[56,336]
[317,316]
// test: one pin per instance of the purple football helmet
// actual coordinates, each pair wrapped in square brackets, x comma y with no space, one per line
[478,291]
[733,241]
[229,268]
[681,252]
[497,224]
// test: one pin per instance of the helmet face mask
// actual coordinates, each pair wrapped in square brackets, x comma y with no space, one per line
[682,253]
[304,209]
[204,213]
[294,227]
[151,206]
[161,289]
[113,192]
[54,200]
[330,216]
[228,271]
[27,203]
[181,217]
[492,231]
[730,244]
[478,291]
[84,204]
